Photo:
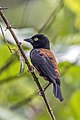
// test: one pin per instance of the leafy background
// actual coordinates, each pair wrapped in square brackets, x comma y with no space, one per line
[60,21]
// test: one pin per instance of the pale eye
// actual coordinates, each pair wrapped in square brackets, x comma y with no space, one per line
[35,39]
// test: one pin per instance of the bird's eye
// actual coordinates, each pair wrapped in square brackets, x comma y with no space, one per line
[35,39]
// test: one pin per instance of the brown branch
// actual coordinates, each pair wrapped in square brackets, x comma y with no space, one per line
[5,39]
[27,63]
[3,8]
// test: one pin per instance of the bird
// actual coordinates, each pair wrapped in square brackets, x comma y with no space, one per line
[44,62]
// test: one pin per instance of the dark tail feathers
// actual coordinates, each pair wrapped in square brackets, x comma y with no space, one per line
[57,92]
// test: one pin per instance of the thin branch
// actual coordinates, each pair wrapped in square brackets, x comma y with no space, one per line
[27,63]
[5,39]
[3,8]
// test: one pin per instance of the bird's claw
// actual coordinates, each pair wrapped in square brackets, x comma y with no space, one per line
[41,93]
[31,69]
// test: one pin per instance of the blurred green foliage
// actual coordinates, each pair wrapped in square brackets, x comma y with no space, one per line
[60,21]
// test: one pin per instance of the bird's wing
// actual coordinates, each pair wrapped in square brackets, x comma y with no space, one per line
[44,65]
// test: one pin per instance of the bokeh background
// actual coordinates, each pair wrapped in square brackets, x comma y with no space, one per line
[60,21]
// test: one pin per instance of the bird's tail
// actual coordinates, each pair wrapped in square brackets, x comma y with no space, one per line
[57,92]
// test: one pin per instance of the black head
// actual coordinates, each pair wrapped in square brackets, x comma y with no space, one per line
[39,41]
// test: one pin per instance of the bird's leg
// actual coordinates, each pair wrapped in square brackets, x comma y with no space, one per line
[44,89]
[46,86]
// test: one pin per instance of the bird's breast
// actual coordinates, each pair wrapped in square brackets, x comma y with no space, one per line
[34,53]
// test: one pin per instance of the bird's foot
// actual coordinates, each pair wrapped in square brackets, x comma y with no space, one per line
[41,93]
[31,69]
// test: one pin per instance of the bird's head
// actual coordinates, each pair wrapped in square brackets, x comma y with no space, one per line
[39,41]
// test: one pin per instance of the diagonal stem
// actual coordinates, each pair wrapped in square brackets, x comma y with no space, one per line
[27,62]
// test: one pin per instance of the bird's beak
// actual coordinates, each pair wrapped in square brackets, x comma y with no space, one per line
[28,40]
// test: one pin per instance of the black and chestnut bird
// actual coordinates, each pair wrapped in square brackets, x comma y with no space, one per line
[44,61]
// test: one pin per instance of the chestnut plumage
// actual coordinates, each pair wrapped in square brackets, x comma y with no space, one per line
[44,61]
